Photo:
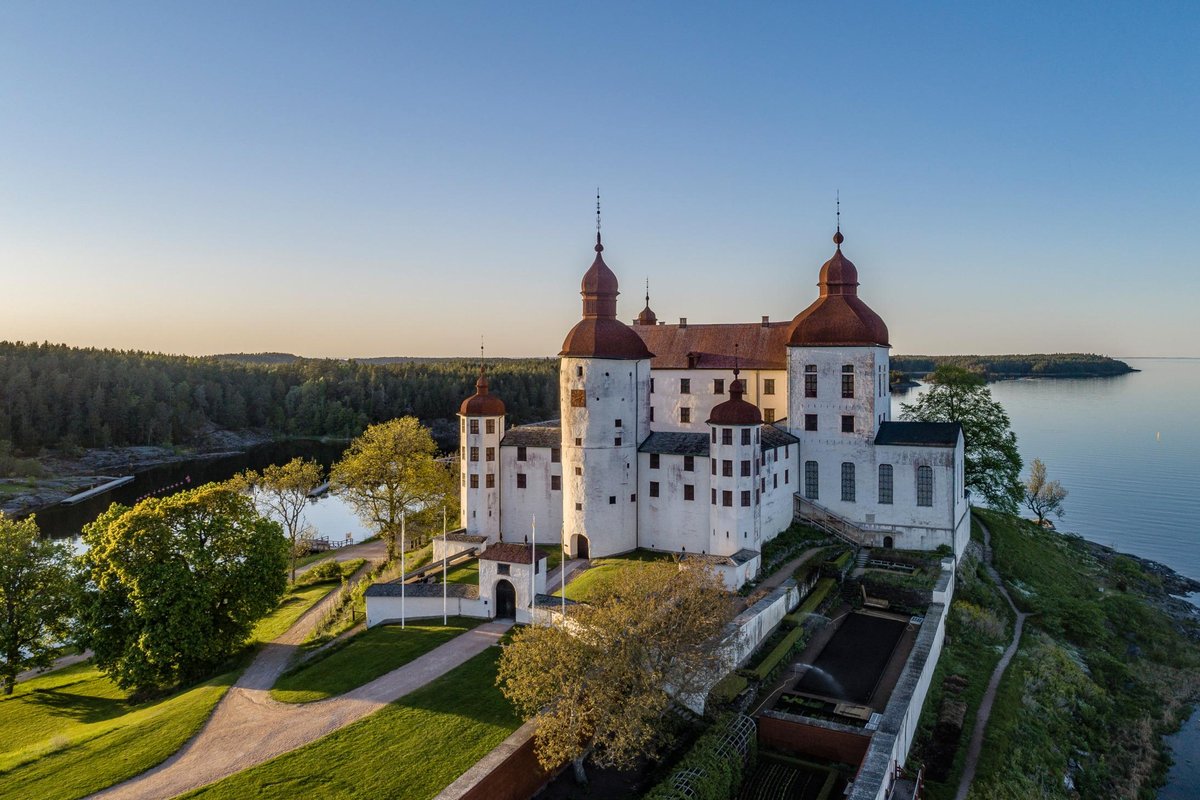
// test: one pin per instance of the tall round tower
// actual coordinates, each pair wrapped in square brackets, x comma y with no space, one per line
[735,516]
[604,396]
[481,427]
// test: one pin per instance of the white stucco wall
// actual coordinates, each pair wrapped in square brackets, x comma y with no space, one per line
[778,507]
[668,522]
[735,526]
[390,609]
[519,577]
[536,500]
[600,483]
[480,507]
[667,398]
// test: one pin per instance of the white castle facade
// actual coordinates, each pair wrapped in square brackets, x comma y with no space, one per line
[708,440]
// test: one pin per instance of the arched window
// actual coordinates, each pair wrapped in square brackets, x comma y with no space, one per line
[925,486]
[810,480]
[885,484]
[847,482]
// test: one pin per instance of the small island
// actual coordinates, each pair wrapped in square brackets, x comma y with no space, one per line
[1006,367]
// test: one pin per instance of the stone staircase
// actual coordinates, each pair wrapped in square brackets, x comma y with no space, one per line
[821,518]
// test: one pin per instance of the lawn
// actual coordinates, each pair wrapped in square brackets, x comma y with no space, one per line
[72,732]
[467,572]
[587,583]
[409,750]
[295,601]
[365,657]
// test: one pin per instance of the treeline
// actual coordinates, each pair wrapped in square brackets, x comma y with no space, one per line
[65,397]
[1066,365]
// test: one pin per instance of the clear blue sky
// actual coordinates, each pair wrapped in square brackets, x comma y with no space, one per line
[381,179]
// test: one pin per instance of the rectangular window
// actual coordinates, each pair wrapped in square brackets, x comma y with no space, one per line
[579,441]
[787,477]
[578,398]
[556,483]
[713,461]
[925,486]
[689,463]
[848,380]
[745,436]
[579,506]
[490,425]
[617,441]
[579,470]
[555,455]
[474,426]
[652,386]
[633,498]
[521,453]
[719,386]
[768,415]
[810,380]
[491,454]
[847,482]
[727,499]
[689,492]
[652,413]
[775,481]
[491,480]
[745,499]
[520,480]
[727,468]
[474,453]
[474,480]
[618,424]
[685,415]
[685,385]
[612,500]
[810,480]
[654,460]
[714,497]
[810,422]
[847,423]
[746,468]
[885,484]
[502,569]
[578,372]
[768,386]
[727,436]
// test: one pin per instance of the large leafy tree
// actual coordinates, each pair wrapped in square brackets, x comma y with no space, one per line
[36,596]
[390,470]
[175,585]
[281,492]
[993,464]
[600,685]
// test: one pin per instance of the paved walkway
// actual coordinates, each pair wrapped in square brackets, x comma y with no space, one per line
[787,570]
[59,663]
[248,728]
[985,707]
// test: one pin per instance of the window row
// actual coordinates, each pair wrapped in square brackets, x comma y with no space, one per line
[810,380]
[685,385]
[472,425]
[810,423]
[924,483]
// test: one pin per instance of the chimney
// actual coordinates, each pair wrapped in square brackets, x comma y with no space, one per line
[683,322]
[766,321]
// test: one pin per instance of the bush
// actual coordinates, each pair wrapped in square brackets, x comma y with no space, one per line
[325,571]
[728,689]
[774,659]
[811,603]
[714,768]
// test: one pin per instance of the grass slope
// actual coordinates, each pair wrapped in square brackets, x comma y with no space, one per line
[590,581]
[410,750]
[364,658]
[295,601]
[72,732]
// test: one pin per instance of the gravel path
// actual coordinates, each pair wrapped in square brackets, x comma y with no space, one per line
[59,663]
[374,550]
[248,728]
[985,707]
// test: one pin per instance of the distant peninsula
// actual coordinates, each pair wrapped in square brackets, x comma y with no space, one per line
[1005,367]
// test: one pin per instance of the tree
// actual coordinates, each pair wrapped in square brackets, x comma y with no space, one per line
[281,491]
[36,597]
[1043,497]
[174,585]
[599,685]
[390,470]
[993,464]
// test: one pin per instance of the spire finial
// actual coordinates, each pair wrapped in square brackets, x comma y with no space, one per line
[837,237]
[735,361]
[599,246]
[647,291]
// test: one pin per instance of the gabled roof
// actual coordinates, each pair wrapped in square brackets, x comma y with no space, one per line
[512,553]
[919,434]
[673,443]
[392,589]
[712,346]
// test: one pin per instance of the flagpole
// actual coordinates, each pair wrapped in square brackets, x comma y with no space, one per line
[402,525]
[562,571]
[445,562]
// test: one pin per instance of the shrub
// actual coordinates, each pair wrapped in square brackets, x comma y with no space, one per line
[811,603]
[728,689]
[325,571]
[774,659]
[714,767]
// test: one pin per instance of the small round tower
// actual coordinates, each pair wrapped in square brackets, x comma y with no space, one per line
[481,427]
[735,516]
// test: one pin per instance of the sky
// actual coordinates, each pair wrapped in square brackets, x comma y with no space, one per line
[371,179]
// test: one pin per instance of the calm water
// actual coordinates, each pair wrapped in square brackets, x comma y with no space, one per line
[1128,450]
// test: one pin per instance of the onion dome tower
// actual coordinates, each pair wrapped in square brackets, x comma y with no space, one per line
[481,427]
[838,317]
[735,510]
[646,316]
[604,398]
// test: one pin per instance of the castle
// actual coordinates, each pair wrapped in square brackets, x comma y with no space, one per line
[708,440]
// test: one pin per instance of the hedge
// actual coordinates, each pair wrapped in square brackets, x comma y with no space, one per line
[773,659]
[812,602]
[705,773]
[728,688]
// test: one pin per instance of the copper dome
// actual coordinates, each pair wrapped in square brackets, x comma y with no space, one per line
[838,316]
[600,334]
[482,404]
[735,410]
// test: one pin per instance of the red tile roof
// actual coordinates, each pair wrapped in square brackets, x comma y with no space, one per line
[482,404]
[511,553]
[712,346]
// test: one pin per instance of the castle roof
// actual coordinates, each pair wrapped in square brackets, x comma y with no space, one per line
[482,404]
[711,346]
[511,553]
[676,443]
[539,434]
[838,316]
[919,434]
[600,334]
